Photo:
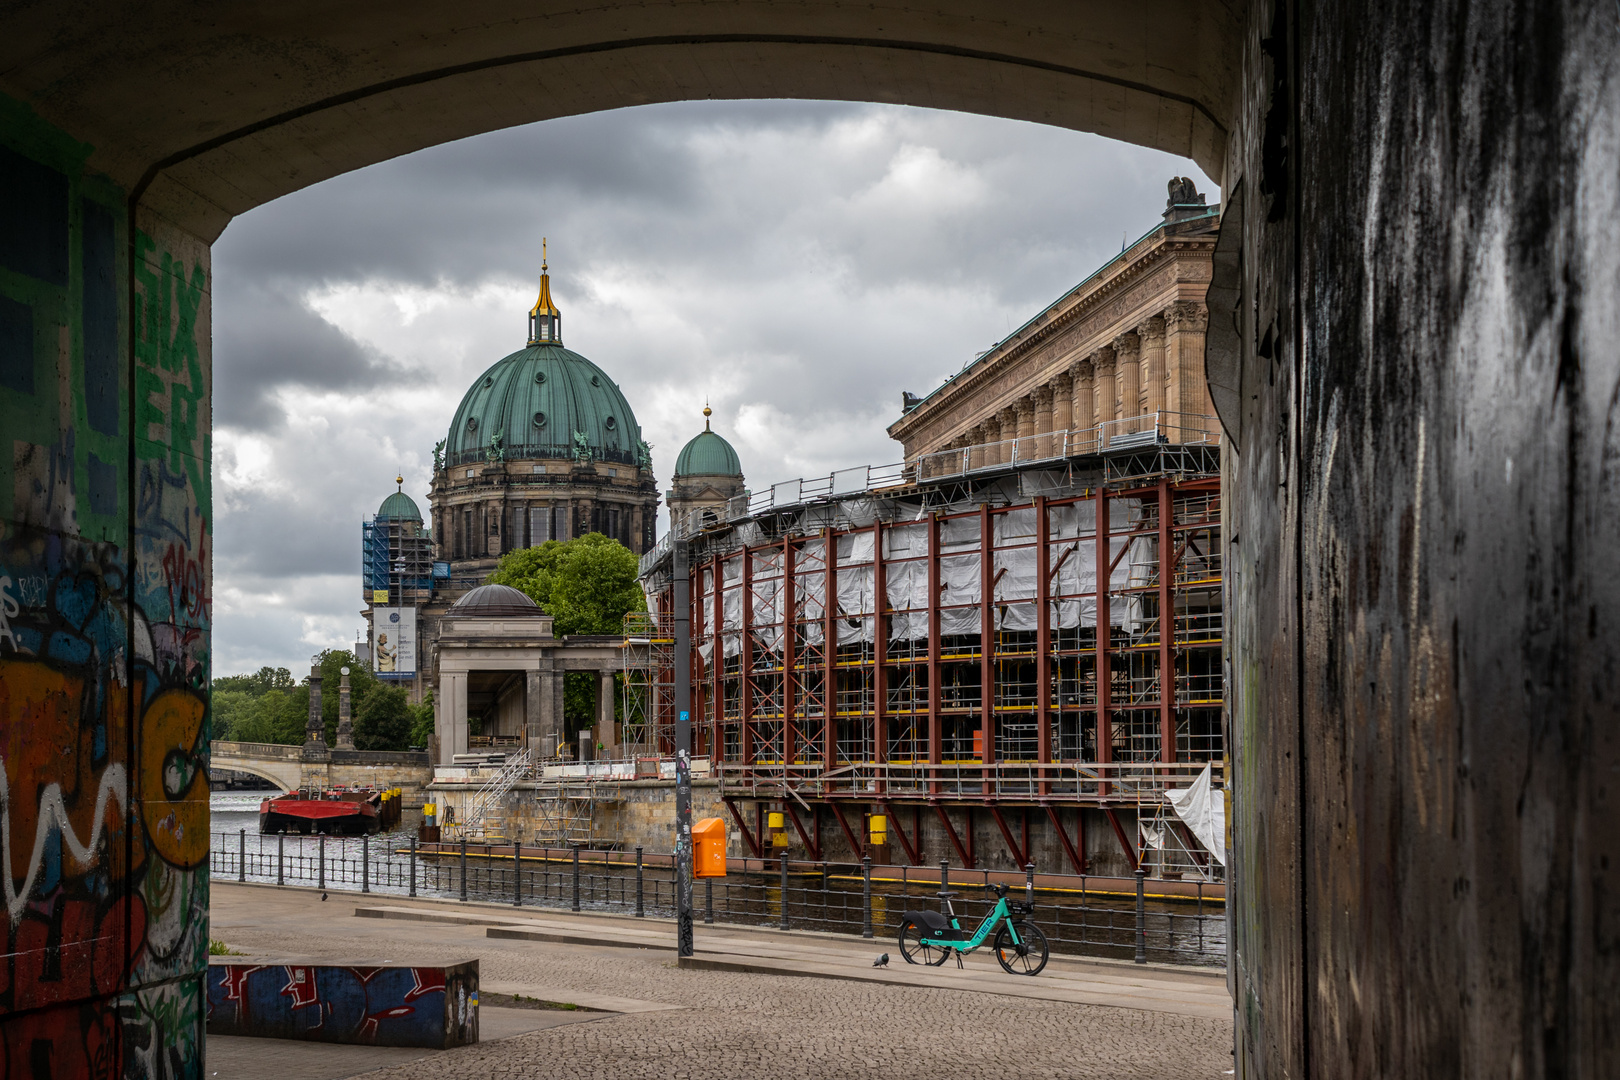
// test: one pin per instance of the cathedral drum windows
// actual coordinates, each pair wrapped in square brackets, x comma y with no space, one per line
[543,442]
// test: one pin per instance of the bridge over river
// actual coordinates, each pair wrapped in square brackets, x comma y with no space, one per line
[312,766]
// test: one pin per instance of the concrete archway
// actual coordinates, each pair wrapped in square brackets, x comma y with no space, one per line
[1415,308]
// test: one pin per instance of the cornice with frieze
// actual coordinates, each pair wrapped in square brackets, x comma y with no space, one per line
[1143,290]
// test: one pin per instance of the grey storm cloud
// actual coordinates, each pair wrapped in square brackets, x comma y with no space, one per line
[798,263]
[271,340]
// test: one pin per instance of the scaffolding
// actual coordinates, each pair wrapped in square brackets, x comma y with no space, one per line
[565,813]
[1040,638]
[647,705]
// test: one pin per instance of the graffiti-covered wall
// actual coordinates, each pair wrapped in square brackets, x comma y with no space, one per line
[105,580]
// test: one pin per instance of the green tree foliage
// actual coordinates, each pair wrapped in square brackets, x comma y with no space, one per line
[422,722]
[258,684]
[587,585]
[384,721]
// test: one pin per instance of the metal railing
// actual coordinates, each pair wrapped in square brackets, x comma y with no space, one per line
[1083,916]
[1122,782]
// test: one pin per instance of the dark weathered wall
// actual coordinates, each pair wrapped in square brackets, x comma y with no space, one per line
[1432,449]
[104,616]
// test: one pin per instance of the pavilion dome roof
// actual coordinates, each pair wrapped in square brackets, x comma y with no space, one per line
[495,601]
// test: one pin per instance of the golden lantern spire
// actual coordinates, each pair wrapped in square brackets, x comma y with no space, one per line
[545,321]
[707,412]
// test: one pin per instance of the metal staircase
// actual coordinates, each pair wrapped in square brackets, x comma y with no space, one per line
[484,818]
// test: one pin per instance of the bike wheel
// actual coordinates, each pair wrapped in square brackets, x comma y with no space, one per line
[915,950]
[1027,957]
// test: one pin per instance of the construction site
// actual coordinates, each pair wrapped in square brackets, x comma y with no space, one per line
[923,645]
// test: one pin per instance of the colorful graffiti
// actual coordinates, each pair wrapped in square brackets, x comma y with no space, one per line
[391,1005]
[105,593]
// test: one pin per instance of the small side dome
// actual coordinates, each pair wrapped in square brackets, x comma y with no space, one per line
[707,454]
[399,506]
[495,601]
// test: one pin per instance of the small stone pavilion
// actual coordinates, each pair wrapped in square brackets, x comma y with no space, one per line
[498,662]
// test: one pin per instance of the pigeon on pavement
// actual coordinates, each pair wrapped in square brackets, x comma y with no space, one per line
[882,961]
[323,896]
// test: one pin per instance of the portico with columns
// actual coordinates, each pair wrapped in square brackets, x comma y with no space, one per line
[1119,355]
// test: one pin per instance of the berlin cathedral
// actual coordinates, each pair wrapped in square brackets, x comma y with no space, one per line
[543,446]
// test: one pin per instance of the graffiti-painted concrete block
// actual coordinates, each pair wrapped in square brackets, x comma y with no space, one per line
[344,1002]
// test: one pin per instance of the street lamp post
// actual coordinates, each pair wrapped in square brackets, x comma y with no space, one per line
[681,596]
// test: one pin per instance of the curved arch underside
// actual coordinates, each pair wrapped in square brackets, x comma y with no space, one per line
[287,779]
[204,120]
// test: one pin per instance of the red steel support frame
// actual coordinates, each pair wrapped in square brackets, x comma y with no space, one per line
[790,649]
[811,844]
[717,658]
[1076,853]
[912,853]
[742,827]
[829,654]
[849,834]
[745,687]
[1119,831]
[1167,630]
[1043,643]
[1105,633]
[1019,854]
[987,639]
[935,698]
[880,657]
[956,842]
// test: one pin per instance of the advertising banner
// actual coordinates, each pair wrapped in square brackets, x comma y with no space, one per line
[394,633]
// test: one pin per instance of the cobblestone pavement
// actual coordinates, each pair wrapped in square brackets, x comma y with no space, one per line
[739,1026]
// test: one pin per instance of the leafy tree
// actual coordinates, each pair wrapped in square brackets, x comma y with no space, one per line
[587,585]
[257,684]
[422,725]
[384,721]
[230,709]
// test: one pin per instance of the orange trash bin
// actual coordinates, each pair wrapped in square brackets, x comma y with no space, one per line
[709,848]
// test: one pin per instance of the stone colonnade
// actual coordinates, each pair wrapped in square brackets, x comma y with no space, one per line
[1154,367]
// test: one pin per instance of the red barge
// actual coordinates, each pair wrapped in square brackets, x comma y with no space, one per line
[338,812]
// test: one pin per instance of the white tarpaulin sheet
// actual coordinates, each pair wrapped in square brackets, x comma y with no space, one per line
[1202,809]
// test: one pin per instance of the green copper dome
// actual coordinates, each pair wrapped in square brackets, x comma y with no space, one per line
[707,455]
[399,506]
[544,402]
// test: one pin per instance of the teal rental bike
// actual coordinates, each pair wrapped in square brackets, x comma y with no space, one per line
[929,937]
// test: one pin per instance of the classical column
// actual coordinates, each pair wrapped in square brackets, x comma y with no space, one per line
[976,440]
[1185,323]
[1043,420]
[1102,361]
[453,717]
[604,713]
[1152,335]
[1024,417]
[1062,408]
[1128,375]
[1083,417]
[533,709]
[1008,419]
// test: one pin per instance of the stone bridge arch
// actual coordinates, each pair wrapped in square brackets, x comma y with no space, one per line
[265,760]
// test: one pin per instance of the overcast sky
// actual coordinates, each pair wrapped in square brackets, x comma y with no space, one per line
[798,263]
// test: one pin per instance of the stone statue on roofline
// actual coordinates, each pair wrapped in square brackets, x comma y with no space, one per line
[497,447]
[438,455]
[643,454]
[582,447]
[1183,192]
